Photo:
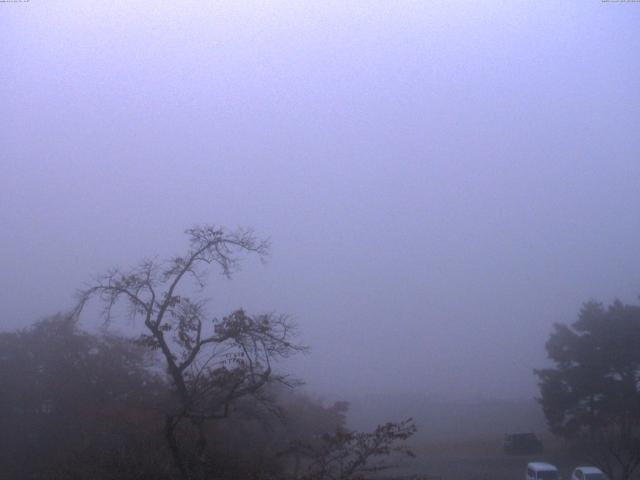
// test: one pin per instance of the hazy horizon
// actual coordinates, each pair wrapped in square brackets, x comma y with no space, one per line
[440,181]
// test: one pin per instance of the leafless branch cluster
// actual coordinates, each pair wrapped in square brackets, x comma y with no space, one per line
[347,455]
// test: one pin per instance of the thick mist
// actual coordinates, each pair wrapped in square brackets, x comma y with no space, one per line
[440,181]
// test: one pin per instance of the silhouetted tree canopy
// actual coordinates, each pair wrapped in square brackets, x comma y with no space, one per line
[591,395]
[72,403]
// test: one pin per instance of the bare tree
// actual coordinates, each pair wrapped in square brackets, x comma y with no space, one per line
[211,362]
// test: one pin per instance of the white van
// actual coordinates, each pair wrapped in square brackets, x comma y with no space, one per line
[541,471]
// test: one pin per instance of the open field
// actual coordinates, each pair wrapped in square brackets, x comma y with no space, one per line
[479,459]
[462,440]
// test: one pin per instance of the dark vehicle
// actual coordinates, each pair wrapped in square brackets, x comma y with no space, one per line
[522,444]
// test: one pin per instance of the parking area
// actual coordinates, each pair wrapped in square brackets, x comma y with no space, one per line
[479,459]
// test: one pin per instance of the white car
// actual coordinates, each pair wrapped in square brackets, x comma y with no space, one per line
[541,471]
[588,473]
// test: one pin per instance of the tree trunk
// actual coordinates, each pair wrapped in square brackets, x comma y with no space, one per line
[170,425]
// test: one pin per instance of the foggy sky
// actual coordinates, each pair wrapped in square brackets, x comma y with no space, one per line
[441,181]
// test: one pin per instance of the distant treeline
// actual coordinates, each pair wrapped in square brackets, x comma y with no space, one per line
[75,405]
